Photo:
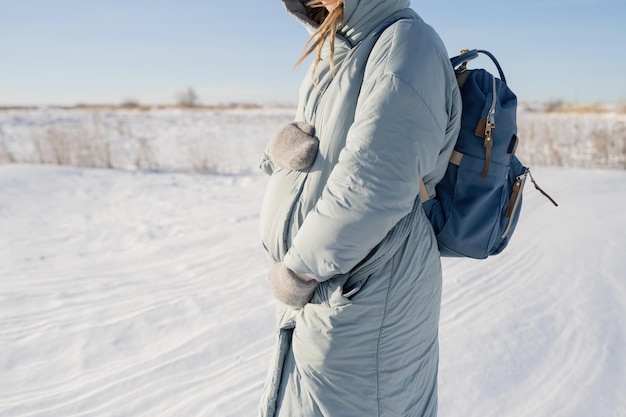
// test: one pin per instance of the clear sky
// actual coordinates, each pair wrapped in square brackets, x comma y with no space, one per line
[96,51]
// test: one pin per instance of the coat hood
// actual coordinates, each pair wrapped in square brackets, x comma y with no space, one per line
[360,17]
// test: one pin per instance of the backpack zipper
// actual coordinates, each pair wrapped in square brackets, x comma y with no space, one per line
[489,126]
[516,197]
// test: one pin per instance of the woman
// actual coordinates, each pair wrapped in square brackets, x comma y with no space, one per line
[356,268]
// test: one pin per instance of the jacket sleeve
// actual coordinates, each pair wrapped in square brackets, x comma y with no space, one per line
[394,141]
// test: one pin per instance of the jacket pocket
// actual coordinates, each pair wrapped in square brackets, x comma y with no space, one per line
[331,293]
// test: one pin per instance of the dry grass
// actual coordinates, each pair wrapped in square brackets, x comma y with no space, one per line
[582,137]
[146,159]
[574,140]
[204,157]
[131,104]
[5,153]
[83,143]
[560,106]
[102,136]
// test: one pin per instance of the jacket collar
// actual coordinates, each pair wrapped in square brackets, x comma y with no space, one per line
[360,18]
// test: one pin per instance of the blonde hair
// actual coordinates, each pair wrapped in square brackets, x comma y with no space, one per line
[328,21]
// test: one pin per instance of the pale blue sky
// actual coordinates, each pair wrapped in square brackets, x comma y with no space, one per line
[94,51]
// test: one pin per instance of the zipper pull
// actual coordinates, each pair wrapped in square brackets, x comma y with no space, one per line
[490,124]
[517,186]
[488,146]
[514,201]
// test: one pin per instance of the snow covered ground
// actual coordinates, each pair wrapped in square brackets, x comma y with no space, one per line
[142,294]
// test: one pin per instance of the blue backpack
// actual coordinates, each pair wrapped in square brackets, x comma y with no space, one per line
[479,199]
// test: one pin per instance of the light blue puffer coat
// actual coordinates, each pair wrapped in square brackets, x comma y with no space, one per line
[366,344]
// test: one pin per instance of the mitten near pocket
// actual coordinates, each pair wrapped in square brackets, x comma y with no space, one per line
[289,289]
[294,146]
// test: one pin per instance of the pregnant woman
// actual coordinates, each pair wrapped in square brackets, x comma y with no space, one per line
[357,273]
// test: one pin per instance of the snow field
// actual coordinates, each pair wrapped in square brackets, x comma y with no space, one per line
[145,294]
[130,294]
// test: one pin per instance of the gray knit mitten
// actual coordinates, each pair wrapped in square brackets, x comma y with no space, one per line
[294,146]
[289,289]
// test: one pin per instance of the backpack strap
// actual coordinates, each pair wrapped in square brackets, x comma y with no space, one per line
[467,55]
[423,192]
[541,191]
[455,159]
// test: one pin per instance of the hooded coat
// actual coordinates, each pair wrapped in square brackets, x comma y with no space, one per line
[367,342]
